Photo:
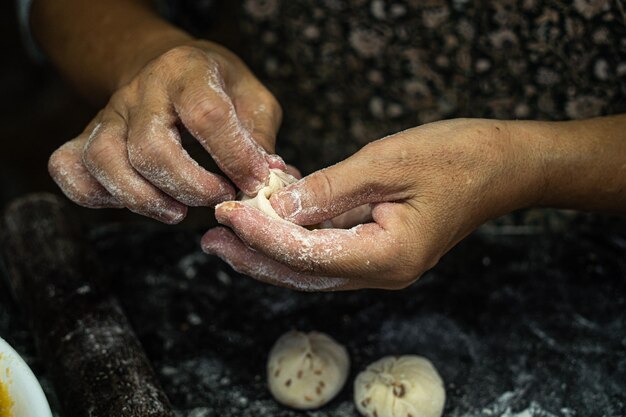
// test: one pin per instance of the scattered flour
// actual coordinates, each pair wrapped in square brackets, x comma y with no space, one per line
[503,407]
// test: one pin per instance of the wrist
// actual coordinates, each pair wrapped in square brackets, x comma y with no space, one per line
[578,164]
[530,151]
[512,166]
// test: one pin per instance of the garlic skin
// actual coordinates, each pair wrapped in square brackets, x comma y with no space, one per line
[277,180]
[400,386]
[306,370]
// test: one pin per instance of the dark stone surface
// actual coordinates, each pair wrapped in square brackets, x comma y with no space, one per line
[520,322]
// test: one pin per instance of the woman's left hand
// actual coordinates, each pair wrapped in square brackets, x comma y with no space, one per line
[427,187]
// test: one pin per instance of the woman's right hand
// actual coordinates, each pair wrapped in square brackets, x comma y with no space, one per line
[130,155]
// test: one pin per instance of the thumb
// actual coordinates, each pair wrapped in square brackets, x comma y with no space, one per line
[361,179]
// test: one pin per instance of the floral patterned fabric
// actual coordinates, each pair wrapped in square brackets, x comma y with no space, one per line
[351,71]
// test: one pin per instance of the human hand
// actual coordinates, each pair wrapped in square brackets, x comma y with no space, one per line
[428,188]
[131,155]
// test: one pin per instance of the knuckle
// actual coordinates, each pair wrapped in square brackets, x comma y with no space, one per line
[136,157]
[209,112]
[169,61]
[143,155]
[273,104]
[390,149]
[370,149]
[151,144]
[269,102]
[96,153]
[182,59]
[179,54]
[124,97]
[266,139]
[373,155]
[323,188]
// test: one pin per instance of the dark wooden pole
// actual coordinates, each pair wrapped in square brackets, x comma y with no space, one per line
[98,366]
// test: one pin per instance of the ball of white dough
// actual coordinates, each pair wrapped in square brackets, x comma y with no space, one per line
[277,180]
[306,370]
[400,386]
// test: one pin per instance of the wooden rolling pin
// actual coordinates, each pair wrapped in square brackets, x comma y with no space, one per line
[98,366]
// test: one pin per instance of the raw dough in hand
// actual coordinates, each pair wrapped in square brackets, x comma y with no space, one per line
[405,386]
[306,370]
[278,179]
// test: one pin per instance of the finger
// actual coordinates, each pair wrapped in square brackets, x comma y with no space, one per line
[258,110]
[358,252]
[69,173]
[351,218]
[106,158]
[276,162]
[209,114]
[293,171]
[223,243]
[261,116]
[156,152]
[363,178]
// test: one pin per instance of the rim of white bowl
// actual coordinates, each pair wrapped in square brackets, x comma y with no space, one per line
[24,388]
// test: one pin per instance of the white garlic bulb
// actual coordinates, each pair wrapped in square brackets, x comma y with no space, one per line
[404,386]
[306,370]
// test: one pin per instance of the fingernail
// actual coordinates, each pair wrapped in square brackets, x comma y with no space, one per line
[287,203]
[227,206]
[223,210]
[174,215]
[275,162]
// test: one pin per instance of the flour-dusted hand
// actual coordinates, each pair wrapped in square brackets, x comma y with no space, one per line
[131,154]
[428,188]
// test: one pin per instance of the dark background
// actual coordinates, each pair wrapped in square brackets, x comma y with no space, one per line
[38,113]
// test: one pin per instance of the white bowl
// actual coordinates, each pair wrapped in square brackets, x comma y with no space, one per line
[24,389]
